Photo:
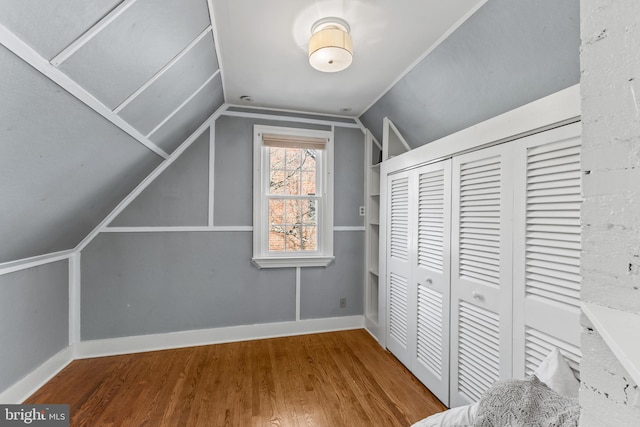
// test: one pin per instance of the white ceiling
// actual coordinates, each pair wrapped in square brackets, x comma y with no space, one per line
[263,48]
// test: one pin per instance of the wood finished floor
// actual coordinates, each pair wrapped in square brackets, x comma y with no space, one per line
[332,379]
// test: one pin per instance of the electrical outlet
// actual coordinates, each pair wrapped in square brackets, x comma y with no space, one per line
[361,210]
[343,303]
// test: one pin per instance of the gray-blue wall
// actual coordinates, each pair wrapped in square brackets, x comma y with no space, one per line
[156,282]
[34,319]
[322,288]
[149,283]
[63,166]
[509,53]
[179,196]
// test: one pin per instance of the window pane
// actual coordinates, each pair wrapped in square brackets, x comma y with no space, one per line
[276,238]
[276,182]
[276,157]
[309,238]
[293,183]
[293,212]
[293,158]
[292,238]
[276,212]
[309,160]
[309,212]
[308,183]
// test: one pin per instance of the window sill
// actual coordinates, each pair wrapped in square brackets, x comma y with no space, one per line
[284,262]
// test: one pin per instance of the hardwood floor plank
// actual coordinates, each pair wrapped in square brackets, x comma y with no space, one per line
[332,379]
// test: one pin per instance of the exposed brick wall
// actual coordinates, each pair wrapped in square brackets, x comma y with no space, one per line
[610,87]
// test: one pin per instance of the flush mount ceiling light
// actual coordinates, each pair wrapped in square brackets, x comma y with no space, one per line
[330,46]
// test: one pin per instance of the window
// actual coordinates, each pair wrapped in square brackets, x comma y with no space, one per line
[292,197]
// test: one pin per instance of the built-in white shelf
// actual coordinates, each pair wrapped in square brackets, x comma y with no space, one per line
[373,157]
[619,329]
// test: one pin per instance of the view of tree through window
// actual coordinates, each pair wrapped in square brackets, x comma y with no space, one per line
[292,199]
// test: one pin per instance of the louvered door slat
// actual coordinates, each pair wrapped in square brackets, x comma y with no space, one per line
[550,279]
[476,257]
[481,268]
[490,231]
[557,231]
[540,184]
[566,190]
[482,226]
[558,175]
[399,220]
[472,386]
[553,169]
[433,252]
[429,345]
[398,320]
[472,245]
[571,221]
[570,160]
[545,151]
[481,166]
[483,372]
[430,219]
[566,265]
[479,349]
[549,161]
[476,206]
[555,257]
[484,236]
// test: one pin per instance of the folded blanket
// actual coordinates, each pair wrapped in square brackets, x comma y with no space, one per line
[526,403]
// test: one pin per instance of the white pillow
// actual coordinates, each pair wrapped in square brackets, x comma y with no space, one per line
[555,372]
[462,416]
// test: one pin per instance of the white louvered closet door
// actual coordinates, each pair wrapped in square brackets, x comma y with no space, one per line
[431,277]
[547,248]
[400,293]
[481,291]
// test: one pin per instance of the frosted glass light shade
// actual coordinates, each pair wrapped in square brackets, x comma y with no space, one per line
[330,48]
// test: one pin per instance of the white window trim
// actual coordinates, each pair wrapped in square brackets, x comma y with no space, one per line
[261,257]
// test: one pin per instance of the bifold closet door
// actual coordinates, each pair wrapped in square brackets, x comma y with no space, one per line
[481,271]
[547,248]
[418,268]
[431,277]
[400,292]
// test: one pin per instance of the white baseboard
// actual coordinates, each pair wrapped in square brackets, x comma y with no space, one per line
[28,385]
[24,388]
[139,344]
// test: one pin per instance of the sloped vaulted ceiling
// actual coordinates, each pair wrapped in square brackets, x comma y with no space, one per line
[94,94]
